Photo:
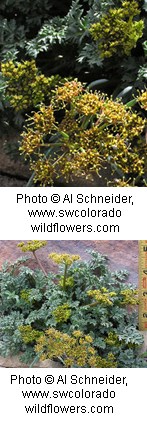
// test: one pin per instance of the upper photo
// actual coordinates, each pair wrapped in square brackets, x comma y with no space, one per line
[73,95]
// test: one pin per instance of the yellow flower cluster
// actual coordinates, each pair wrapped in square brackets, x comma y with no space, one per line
[31,141]
[45,171]
[62,313]
[26,88]
[102,296]
[117,32]
[68,92]
[129,297]
[63,258]
[24,295]
[28,334]
[71,127]
[85,162]
[31,246]
[109,362]
[90,103]
[95,130]
[143,100]
[44,120]
[112,339]
[76,350]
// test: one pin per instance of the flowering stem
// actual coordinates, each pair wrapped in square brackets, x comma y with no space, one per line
[39,263]
[86,121]
[92,304]
[60,157]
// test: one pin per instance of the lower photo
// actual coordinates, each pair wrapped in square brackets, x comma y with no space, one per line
[73,304]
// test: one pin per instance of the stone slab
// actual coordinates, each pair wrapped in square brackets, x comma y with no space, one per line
[14,362]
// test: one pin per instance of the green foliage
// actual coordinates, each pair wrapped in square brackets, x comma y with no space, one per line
[27,19]
[73,28]
[49,34]
[145,5]
[34,310]
[12,38]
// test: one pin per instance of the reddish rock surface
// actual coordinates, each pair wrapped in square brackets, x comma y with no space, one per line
[121,254]
[14,171]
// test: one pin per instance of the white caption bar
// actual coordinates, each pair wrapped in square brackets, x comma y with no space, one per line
[49,395]
[73,213]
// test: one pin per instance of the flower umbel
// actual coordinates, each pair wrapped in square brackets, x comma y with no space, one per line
[31,246]
[62,313]
[63,258]
[102,296]
[117,31]
[26,86]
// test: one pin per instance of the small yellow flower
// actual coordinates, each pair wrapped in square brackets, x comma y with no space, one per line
[142,98]
[102,296]
[88,339]
[77,333]
[130,297]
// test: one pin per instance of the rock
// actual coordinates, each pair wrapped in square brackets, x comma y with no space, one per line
[144,346]
[50,364]
[15,362]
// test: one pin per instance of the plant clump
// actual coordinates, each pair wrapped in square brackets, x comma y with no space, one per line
[27,87]
[117,32]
